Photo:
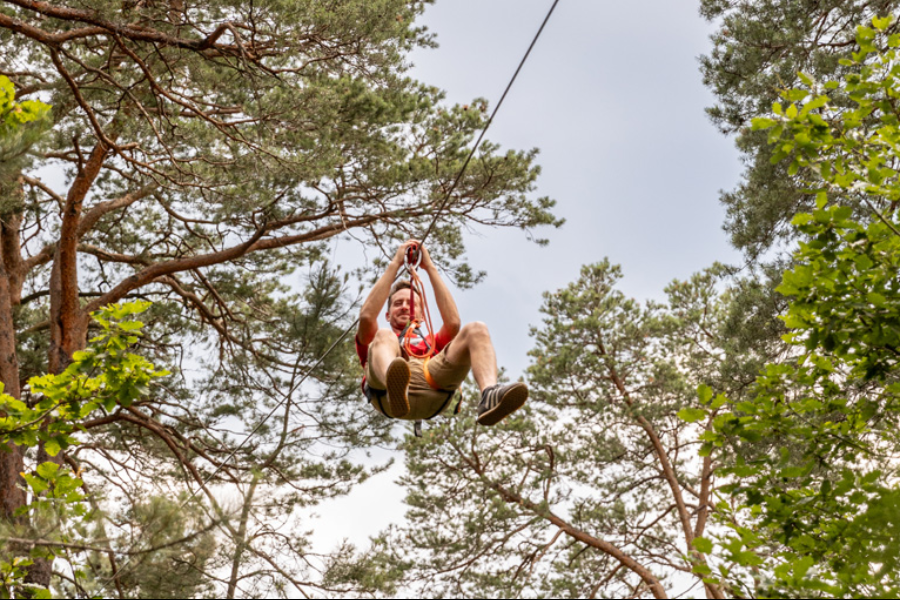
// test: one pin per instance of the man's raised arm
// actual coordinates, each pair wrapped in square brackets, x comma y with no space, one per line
[445,303]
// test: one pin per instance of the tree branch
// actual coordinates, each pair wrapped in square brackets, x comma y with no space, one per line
[100,209]
[132,32]
[255,244]
[67,325]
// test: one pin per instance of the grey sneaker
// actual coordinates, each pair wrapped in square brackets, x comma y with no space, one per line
[498,402]
[397,381]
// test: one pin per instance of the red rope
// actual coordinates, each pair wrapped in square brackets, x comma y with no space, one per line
[416,287]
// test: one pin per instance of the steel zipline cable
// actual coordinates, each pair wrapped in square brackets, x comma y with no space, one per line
[434,221]
[488,124]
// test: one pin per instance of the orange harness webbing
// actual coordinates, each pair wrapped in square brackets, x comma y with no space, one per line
[428,378]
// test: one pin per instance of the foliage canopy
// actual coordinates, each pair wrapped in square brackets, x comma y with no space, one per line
[202,155]
[814,454]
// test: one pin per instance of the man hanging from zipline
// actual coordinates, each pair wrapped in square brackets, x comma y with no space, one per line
[413,374]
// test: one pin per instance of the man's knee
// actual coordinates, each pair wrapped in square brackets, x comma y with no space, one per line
[384,345]
[385,336]
[476,331]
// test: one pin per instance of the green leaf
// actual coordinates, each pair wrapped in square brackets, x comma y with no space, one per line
[817,102]
[47,470]
[37,484]
[876,298]
[691,415]
[7,92]
[703,545]
[760,123]
[52,447]
[882,23]
[792,472]
[792,321]
[801,219]
[802,566]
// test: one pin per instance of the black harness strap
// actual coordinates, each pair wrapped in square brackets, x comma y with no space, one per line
[417,428]
[444,405]
[376,395]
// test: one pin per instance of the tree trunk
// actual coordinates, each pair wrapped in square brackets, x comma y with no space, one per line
[12,458]
[12,496]
[240,542]
[68,322]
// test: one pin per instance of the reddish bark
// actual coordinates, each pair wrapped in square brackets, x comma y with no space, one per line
[10,246]
[669,474]
[255,244]
[11,458]
[68,324]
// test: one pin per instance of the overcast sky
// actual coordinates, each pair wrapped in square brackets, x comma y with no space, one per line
[612,96]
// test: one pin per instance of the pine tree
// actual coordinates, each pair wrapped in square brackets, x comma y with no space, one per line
[595,488]
[201,155]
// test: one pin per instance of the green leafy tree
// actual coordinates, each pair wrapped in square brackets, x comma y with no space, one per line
[758,49]
[21,125]
[594,489]
[813,453]
[203,154]
[99,379]
[170,548]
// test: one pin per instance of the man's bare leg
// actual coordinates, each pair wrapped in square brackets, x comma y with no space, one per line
[473,346]
[390,370]
[383,349]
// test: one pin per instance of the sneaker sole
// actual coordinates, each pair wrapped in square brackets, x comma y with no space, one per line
[512,401]
[397,386]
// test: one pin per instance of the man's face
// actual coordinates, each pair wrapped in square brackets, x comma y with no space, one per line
[398,309]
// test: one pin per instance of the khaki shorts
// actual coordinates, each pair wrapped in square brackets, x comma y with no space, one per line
[425,402]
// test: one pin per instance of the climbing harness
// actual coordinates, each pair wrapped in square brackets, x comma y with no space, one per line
[414,343]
